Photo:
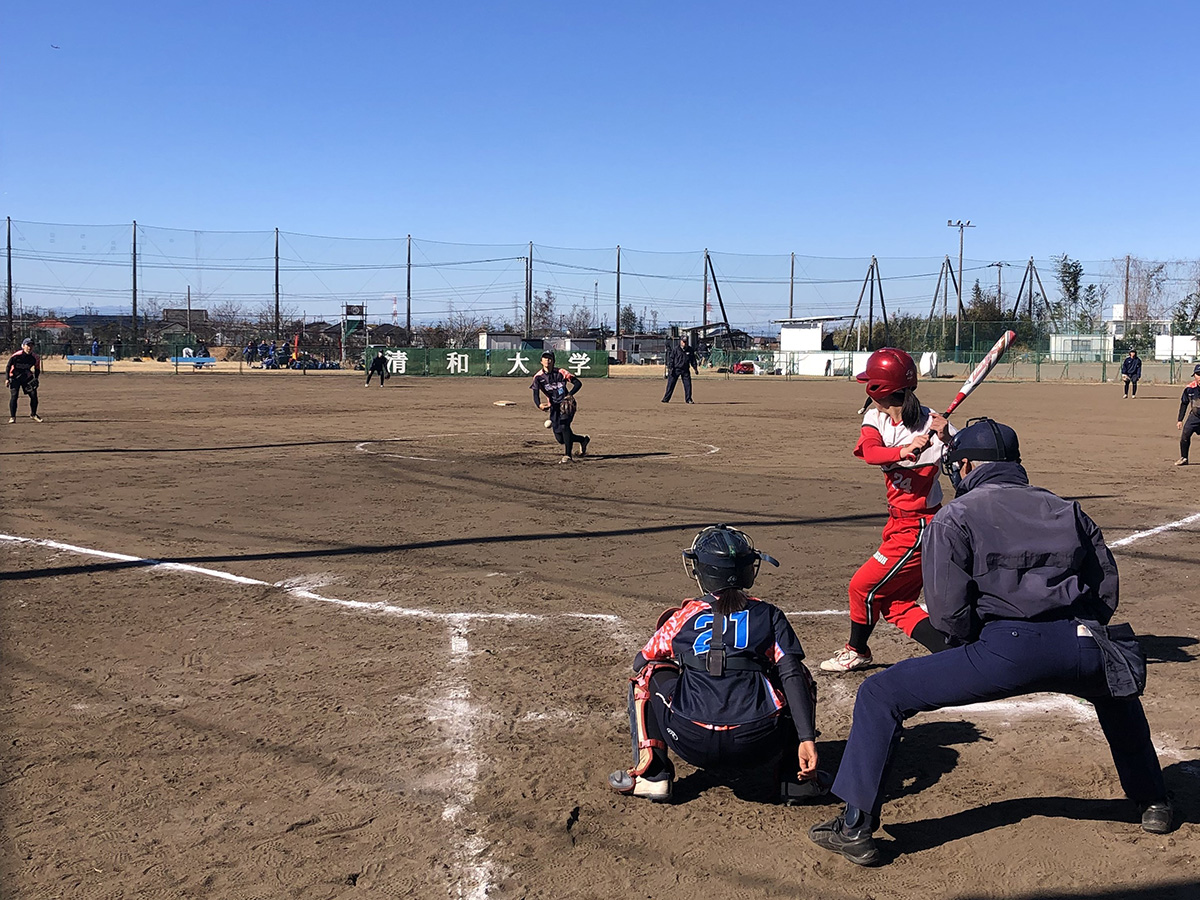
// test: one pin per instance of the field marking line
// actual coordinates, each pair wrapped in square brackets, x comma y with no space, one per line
[457,714]
[364,446]
[1170,526]
[379,607]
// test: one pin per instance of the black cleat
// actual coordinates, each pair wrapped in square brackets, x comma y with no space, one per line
[583,445]
[855,844]
[1158,817]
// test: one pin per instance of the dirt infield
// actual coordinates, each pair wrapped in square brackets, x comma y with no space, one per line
[389,656]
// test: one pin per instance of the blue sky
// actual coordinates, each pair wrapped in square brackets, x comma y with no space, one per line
[827,130]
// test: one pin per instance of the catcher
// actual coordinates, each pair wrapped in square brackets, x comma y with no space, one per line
[559,386]
[21,374]
[734,694]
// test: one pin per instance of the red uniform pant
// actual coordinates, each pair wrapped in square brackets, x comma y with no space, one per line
[888,584]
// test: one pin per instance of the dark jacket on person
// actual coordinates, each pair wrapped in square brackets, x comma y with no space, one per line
[680,359]
[1132,366]
[1007,550]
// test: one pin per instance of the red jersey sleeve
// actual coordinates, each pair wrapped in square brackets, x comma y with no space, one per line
[870,448]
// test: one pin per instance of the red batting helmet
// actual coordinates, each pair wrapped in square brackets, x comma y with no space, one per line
[888,370]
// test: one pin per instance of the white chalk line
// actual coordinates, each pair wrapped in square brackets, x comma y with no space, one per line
[475,868]
[365,446]
[458,716]
[1170,526]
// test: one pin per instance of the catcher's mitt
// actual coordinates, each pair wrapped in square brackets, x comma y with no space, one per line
[567,407]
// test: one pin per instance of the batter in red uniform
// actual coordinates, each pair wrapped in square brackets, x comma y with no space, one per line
[896,437]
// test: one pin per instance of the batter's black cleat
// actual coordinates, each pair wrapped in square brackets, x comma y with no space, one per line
[657,790]
[854,842]
[1158,817]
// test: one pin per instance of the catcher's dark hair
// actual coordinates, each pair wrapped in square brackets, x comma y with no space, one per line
[730,600]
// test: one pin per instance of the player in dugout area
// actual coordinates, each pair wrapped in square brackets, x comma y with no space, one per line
[721,682]
[1022,582]
[559,386]
[22,373]
[1189,406]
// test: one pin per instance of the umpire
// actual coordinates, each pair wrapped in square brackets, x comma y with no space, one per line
[681,361]
[1022,581]
[21,374]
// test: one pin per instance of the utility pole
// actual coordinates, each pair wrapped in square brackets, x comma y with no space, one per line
[8,291]
[792,288]
[135,287]
[999,267]
[1125,312]
[276,284]
[408,296]
[960,225]
[704,303]
[617,330]
[189,310]
[529,293]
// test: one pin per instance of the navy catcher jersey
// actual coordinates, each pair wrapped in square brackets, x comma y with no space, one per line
[759,632]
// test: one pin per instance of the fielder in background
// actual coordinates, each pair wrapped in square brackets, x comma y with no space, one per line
[721,681]
[559,386]
[1023,583]
[1131,373]
[1189,406]
[681,362]
[22,374]
[896,436]
[378,366]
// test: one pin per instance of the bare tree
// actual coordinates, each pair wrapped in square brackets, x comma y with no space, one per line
[228,319]
[578,321]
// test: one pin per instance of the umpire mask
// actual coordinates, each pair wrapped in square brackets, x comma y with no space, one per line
[982,440]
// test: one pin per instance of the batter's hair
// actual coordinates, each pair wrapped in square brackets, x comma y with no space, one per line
[729,600]
[910,411]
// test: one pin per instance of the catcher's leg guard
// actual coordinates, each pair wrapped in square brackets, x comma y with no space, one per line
[649,749]
[648,743]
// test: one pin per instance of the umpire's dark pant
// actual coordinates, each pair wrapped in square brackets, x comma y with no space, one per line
[1010,658]
[672,377]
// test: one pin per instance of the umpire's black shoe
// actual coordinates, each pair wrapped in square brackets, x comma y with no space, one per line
[1158,817]
[853,842]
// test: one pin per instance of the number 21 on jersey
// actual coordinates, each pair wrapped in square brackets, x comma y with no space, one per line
[741,630]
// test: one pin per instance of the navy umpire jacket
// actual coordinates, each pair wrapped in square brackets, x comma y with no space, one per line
[1007,550]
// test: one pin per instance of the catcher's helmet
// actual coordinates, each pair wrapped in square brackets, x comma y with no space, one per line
[722,557]
[549,354]
[888,370]
[982,440]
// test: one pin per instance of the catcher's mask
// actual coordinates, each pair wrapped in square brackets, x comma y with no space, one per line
[722,557]
[549,354]
[982,440]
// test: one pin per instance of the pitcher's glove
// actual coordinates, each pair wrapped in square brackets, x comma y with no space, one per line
[30,386]
[567,407]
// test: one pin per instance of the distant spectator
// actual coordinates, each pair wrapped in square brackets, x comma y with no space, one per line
[95,346]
